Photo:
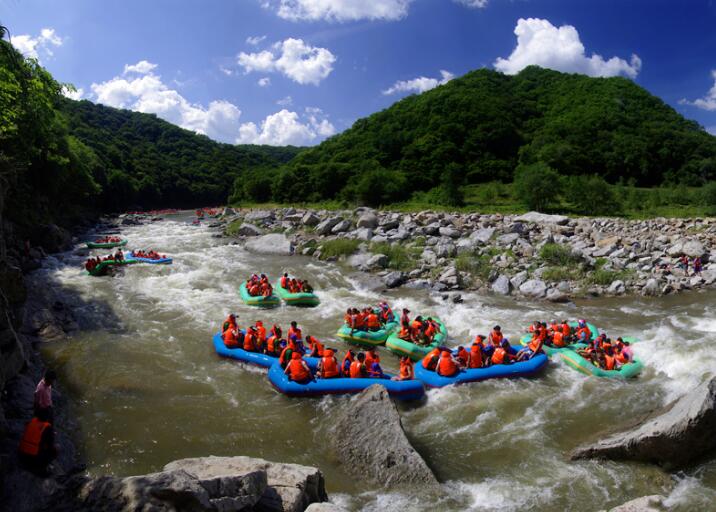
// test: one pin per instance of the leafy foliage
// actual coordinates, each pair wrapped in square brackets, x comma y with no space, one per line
[558,255]
[537,186]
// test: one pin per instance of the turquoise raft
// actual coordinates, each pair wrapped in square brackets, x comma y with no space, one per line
[401,347]
[550,351]
[104,266]
[582,365]
[106,245]
[402,390]
[367,338]
[259,301]
[296,299]
[522,369]
[252,358]
[157,261]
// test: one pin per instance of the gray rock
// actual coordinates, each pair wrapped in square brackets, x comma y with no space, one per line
[429,257]
[693,248]
[556,295]
[394,279]
[325,227]
[482,235]
[465,245]
[325,507]
[259,216]
[651,288]
[274,243]
[445,250]
[310,219]
[616,288]
[653,503]
[449,232]
[450,277]
[535,288]
[371,419]
[418,284]
[364,234]
[377,261]
[507,239]
[674,437]
[249,230]
[341,227]
[368,220]
[518,279]
[542,218]
[502,285]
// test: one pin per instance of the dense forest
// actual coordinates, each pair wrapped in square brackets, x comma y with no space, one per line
[487,126]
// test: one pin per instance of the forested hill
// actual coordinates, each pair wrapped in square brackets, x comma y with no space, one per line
[485,125]
[143,160]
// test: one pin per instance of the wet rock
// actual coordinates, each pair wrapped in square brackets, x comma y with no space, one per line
[325,507]
[394,279]
[377,261]
[249,230]
[450,277]
[651,288]
[368,220]
[555,295]
[310,219]
[502,285]
[341,227]
[364,234]
[325,227]
[274,243]
[535,288]
[542,218]
[52,238]
[616,288]
[371,419]
[674,437]
[259,216]
[518,279]
[654,503]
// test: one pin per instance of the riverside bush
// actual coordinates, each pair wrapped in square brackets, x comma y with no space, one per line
[338,247]
[478,266]
[536,186]
[558,255]
[606,277]
[399,256]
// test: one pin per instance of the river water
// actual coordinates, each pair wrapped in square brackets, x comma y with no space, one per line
[143,378]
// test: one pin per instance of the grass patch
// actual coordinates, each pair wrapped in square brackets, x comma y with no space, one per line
[233,227]
[399,256]
[606,277]
[556,274]
[478,266]
[558,255]
[338,247]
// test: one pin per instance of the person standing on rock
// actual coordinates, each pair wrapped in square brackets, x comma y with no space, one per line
[37,446]
[43,394]
[697,266]
[684,264]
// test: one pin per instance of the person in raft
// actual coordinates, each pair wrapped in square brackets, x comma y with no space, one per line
[108,240]
[368,319]
[447,365]
[606,354]
[231,334]
[297,369]
[347,362]
[294,285]
[328,367]
[315,347]
[534,347]
[259,286]
[358,369]
[407,372]
[420,331]
[275,341]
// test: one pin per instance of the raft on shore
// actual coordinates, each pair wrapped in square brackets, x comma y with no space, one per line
[401,347]
[521,369]
[296,299]
[104,266]
[258,301]
[106,245]
[401,390]
[367,338]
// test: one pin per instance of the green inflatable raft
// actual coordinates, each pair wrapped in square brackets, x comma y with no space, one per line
[550,351]
[106,245]
[574,360]
[401,347]
[309,300]
[102,268]
[367,338]
[258,301]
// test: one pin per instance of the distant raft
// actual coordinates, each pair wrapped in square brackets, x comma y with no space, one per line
[367,338]
[401,347]
[550,351]
[522,369]
[258,301]
[252,358]
[296,299]
[152,261]
[104,266]
[579,363]
[401,390]
[106,245]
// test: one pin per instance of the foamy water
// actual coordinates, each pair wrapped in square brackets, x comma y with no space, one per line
[148,388]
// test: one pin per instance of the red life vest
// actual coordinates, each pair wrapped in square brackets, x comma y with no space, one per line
[297,370]
[329,367]
[446,366]
[230,340]
[31,439]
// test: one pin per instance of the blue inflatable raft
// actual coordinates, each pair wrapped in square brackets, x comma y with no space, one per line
[522,369]
[401,390]
[253,358]
[158,261]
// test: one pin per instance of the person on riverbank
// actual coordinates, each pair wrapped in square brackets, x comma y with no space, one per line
[697,266]
[683,264]
[328,366]
[42,401]
[297,369]
[407,371]
[37,447]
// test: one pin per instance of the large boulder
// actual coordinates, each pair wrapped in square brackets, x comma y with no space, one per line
[51,237]
[259,216]
[325,227]
[368,438]
[542,218]
[501,285]
[274,243]
[653,503]
[535,288]
[247,229]
[310,219]
[368,220]
[692,248]
[341,227]
[674,437]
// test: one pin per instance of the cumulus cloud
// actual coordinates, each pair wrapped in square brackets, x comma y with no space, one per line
[37,47]
[285,102]
[226,71]
[264,82]
[255,40]
[142,67]
[420,84]
[294,58]
[340,10]
[708,102]
[286,128]
[475,4]
[76,94]
[541,43]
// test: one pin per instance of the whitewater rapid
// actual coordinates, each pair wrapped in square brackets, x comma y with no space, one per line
[147,388]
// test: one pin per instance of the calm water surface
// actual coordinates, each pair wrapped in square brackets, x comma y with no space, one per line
[148,388]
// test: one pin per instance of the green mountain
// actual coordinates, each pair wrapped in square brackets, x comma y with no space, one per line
[485,125]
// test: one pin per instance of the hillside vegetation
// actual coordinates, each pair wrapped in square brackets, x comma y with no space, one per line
[487,126]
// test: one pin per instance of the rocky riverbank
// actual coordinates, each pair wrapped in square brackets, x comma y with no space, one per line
[534,255]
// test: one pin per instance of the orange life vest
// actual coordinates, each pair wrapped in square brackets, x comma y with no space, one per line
[250,342]
[261,333]
[356,370]
[428,360]
[373,322]
[566,329]
[610,362]
[230,340]
[296,331]
[348,358]
[406,369]
[621,358]
[329,367]
[535,344]
[31,439]
[284,282]
[283,358]
[499,355]
[318,352]
[447,366]
[474,359]
[584,331]
[370,358]
[496,337]
[558,339]
[297,370]
[463,356]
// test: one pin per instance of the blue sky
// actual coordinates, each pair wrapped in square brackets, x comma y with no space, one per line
[297,71]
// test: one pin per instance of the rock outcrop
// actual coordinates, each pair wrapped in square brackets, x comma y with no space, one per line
[273,243]
[674,437]
[372,420]
[654,503]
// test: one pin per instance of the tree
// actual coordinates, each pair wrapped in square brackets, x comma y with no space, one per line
[537,186]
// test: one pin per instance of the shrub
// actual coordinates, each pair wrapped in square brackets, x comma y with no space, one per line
[607,277]
[338,247]
[708,197]
[596,196]
[377,187]
[399,256]
[478,266]
[558,255]
[536,186]
[556,274]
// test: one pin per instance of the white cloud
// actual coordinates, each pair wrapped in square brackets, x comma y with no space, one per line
[255,40]
[37,47]
[142,67]
[285,128]
[77,94]
[297,60]
[226,71]
[475,4]
[541,43]
[264,82]
[340,10]
[285,102]
[711,130]
[708,102]
[147,93]
[420,84]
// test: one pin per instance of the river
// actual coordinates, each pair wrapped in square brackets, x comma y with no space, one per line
[142,376]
